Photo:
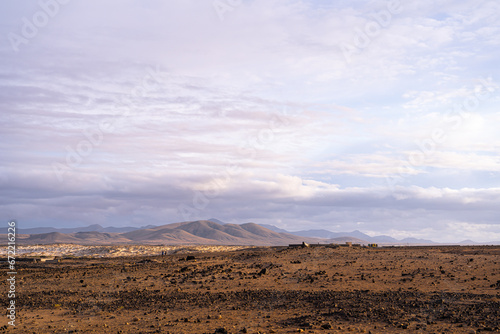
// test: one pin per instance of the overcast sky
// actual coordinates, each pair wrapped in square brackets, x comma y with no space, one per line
[379,116]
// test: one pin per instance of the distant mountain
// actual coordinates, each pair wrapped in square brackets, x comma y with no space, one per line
[315,233]
[320,233]
[343,240]
[48,238]
[204,232]
[84,238]
[275,229]
[90,228]
[37,230]
[332,235]
[356,237]
[211,231]
[416,241]
[471,242]
[467,242]
[382,239]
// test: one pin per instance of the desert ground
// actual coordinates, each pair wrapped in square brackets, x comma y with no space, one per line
[263,290]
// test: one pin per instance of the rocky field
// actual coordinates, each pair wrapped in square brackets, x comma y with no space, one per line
[265,290]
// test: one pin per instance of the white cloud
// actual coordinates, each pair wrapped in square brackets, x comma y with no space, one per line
[267,90]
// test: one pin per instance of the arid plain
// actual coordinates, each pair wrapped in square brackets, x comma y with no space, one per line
[266,290]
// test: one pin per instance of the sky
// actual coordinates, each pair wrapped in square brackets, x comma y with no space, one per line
[378,116]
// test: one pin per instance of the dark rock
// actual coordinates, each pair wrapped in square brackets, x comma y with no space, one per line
[327,326]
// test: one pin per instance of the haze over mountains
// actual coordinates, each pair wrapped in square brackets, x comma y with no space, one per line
[208,232]
[354,234]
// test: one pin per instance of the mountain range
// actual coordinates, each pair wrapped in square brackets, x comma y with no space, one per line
[90,228]
[203,232]
[354,234]
[210,232]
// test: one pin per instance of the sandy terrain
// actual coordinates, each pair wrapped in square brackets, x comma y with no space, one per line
[69,250]
[266,290]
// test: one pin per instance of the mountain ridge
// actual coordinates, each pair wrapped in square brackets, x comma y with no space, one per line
[205,232]
[89,228]
[216,230]
[358,235]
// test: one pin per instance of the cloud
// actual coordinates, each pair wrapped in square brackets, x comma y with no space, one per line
[294,200]
[260,110]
